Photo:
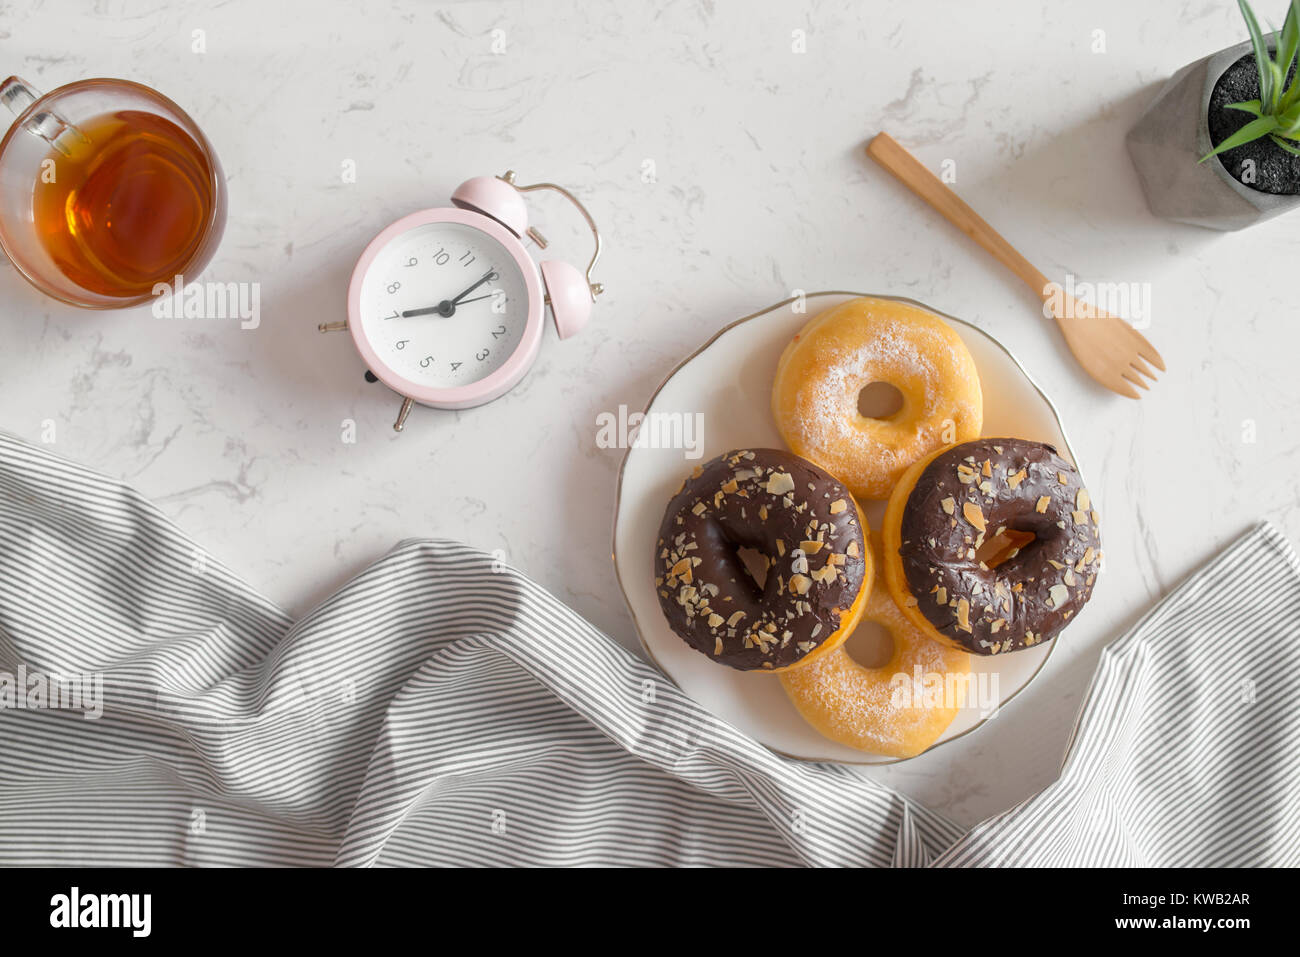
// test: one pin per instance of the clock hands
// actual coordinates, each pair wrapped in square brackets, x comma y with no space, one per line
[447,308]
[490,274]
[412,313]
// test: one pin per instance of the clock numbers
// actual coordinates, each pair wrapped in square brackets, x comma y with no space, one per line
[445,328]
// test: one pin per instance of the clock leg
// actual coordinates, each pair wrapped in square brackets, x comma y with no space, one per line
[400,424]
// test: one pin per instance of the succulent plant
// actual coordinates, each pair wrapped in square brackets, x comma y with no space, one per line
[1277,111]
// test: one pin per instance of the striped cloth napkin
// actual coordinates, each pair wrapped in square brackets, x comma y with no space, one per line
[443,710]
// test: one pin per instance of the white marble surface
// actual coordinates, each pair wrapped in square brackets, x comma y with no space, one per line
[761,187]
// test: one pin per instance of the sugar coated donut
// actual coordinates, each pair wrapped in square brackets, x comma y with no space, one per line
[835,356]
[898,709]
[815,568]
[991,545]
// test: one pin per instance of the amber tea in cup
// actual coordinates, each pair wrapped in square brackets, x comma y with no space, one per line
[129,208]
[107,189]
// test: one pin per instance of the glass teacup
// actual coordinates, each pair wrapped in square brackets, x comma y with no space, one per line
[107,189]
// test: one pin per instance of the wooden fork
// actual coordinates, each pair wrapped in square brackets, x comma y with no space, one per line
[1109,349]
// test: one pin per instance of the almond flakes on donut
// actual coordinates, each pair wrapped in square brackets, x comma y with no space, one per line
[810,538]
[992,545]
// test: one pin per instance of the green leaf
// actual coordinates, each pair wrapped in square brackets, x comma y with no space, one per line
[1246,106]
[1289,120]
[1248,133]
[1289,41]
[1292,94]
[1277,80]
[1284,144]
[1262,60]
[1291,27]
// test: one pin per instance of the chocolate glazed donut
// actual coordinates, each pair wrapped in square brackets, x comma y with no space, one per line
[971,494]
[810,534]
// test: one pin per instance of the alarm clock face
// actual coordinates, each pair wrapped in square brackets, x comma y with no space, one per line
[444,304]
[445,307]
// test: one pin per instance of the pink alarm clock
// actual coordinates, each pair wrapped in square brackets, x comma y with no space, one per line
[445,305]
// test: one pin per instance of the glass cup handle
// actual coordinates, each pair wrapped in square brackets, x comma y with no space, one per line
[18,95]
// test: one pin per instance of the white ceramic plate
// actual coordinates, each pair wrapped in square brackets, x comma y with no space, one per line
[729,381]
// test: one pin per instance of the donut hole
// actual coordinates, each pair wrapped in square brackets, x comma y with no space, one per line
[755,564]
[879,400]
[871,645]
[1006,544]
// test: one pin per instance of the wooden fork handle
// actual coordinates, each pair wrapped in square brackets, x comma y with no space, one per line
[886,151]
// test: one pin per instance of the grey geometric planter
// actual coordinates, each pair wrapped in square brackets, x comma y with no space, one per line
[1173,134]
